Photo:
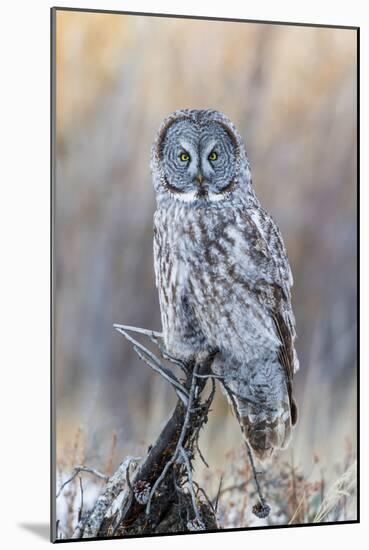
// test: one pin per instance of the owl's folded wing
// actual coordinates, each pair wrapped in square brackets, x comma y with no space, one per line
[242,300]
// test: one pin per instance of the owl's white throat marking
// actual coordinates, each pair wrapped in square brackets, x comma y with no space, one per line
[189,196]
[217,197]
[194,195]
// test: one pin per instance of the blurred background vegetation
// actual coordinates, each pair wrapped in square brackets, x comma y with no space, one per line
[291,91]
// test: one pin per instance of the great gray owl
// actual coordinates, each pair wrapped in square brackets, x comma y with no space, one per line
[222,271]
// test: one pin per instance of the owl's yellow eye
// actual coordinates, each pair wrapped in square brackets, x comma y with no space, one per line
[184,157]
[213,156]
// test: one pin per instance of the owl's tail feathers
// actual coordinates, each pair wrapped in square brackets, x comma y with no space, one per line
[267,432]
[262,401]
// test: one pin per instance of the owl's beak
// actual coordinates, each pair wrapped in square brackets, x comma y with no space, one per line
[200,178]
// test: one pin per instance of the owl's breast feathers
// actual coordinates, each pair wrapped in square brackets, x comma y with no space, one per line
[225,271]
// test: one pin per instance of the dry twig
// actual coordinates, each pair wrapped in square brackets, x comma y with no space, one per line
[76,471]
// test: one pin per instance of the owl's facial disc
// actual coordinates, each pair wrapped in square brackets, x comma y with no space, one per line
[199,161]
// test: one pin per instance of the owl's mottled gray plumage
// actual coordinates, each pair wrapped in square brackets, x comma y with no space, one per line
[222,272]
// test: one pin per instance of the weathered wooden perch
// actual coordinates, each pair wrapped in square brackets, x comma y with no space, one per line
[157,494]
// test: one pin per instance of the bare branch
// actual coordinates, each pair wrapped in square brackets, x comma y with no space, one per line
[191,487]
[76,471]
[236,487]
[156,338]
[218,494]
[215,376]
[201,490]
[81,506]
[153,362]
[260,509]
[177,362]
[146,351]
[180,440]
[205,407]
[201,454]
[152,334]
[178,387]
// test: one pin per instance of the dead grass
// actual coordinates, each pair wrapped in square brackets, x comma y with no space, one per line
[295,496]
